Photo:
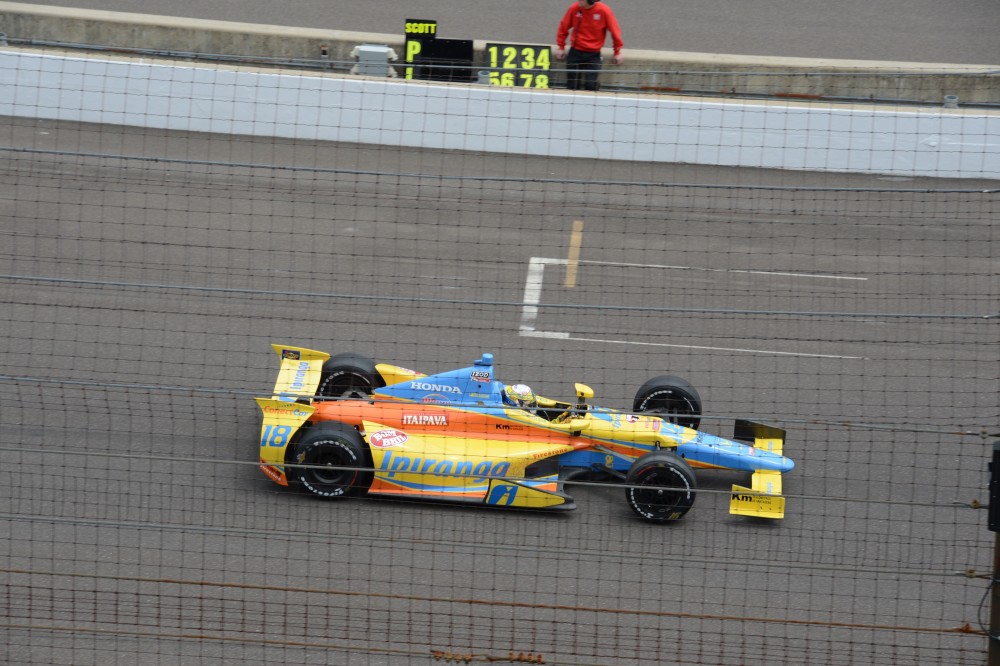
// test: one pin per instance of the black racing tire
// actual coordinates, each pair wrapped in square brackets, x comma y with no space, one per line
[349,375]
[671,398]
[664,487]
[334,456]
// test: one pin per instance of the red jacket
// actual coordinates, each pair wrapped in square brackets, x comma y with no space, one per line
[590,26]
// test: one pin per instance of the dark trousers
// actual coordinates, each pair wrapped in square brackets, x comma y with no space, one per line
[582,69]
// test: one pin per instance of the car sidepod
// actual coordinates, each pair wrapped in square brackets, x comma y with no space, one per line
[457,467]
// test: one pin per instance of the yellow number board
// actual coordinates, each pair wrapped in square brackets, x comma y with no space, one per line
[518,65]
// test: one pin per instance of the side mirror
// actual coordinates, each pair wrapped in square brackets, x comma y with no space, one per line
[577,424]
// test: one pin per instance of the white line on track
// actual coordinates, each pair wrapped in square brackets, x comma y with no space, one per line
[723,270]
[727,349]
[533,291]
[533,295]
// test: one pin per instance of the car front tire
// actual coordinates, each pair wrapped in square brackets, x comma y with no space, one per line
[671,398]
[661,487]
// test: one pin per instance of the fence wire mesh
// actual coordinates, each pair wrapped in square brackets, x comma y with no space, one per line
[144,275]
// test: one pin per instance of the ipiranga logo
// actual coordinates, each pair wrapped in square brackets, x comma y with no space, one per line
[395,462]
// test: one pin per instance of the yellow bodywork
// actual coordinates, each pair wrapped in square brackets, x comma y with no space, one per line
[763,498]
[281,419]
[393,374]
[300,371]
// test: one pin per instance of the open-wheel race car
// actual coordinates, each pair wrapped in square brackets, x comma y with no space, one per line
[344,424]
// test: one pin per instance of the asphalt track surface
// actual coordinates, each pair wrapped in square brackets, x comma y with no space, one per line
[140,527]
[923,31]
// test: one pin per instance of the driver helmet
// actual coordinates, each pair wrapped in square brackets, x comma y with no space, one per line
[520,395]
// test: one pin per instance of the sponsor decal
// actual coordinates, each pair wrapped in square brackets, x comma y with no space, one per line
[285,411]
[435,399]
[425,419]
[437,388]
[547,454]
[511,428]
[394,462]
[273,473]
[293,354]
[502,494]
[481,375]
[632,418]
[299,380]
[384,439]
[759,502]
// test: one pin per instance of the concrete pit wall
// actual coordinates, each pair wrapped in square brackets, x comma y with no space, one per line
[645,70]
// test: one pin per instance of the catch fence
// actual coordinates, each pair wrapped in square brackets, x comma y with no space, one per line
[145,273]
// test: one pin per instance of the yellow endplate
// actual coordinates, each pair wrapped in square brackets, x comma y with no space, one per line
[762,500]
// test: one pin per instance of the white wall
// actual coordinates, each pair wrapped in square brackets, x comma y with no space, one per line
[954,143]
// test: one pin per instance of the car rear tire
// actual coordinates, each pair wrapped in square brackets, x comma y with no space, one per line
[349,375]
[672,399]
[335,456]
[661,487]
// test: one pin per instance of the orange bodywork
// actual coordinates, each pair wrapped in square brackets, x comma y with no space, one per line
[413,417]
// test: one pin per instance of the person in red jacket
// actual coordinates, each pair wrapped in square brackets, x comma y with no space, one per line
[587,24]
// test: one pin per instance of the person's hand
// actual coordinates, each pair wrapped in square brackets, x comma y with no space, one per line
[619,59]
[560,54]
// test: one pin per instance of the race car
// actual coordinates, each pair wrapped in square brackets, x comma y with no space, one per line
[344,424]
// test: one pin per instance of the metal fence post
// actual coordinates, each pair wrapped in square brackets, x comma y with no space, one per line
[994,526]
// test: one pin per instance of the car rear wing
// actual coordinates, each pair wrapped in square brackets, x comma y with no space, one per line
[300,372]
[763,498]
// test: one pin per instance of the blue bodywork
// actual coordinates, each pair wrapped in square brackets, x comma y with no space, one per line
[476,387]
